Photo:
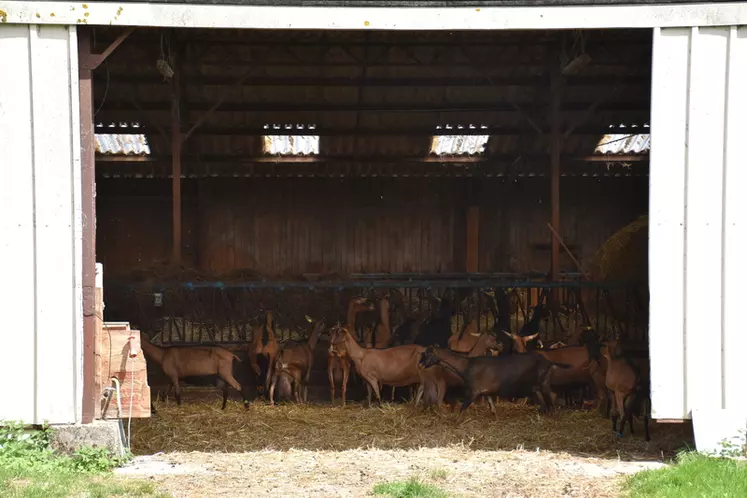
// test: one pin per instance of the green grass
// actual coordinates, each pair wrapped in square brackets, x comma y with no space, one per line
[61,482]
[438,474]
[693,475]
[411,488]
[30,469]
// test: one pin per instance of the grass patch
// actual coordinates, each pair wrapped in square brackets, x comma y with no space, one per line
[30,469]
[693,475]
[438,474]
[62,482]
[411,488]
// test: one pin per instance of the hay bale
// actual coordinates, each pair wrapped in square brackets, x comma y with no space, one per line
[624,256]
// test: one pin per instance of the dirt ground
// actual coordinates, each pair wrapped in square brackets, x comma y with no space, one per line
[353,473]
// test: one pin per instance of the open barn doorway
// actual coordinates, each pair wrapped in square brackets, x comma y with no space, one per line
[240,172]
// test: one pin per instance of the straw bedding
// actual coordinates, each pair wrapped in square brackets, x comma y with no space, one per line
[202,426]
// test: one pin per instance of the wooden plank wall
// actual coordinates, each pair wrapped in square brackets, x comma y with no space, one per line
[281,227]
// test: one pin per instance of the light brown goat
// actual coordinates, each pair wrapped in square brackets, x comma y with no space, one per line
[338,363]
[397,366]
[264,344]
[628,385]
[466,338]
[184,362]
[296,359]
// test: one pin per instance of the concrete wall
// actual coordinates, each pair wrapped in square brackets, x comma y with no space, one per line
[40,225]
[698,221]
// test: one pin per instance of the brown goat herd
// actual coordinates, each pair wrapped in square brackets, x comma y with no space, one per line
[437,365]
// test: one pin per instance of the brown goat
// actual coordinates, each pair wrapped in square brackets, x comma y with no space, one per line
[380,336]
[288,382]
[264,344]
[585,370]
[296,359]
[466,338]
[338,363]
[628,387]
[183,362]
[397,366]
[437,379]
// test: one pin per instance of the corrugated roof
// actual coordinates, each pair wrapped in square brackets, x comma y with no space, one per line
[119,144]
[459,145]
[625,144]
[413,83]
[291,145]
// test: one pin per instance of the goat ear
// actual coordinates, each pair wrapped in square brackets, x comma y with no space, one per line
[509,334]
[530,337]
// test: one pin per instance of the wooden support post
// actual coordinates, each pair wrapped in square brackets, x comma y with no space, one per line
[555,150]
[473,239]
[88,206]
[176,165]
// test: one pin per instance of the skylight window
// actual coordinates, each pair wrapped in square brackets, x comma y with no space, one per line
[121,144]
[625,144]
[294,143]
[459,144]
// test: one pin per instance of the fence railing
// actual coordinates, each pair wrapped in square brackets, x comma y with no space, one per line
[216,312]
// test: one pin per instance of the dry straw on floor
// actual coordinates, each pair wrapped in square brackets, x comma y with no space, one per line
[202,426]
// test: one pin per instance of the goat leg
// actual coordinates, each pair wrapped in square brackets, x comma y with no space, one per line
[270,372]
[272,391]
[492,407]
[345,375]
[331,367]
[419,394]
[225,396]
[306,384]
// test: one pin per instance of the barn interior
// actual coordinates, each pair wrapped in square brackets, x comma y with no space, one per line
[242,171]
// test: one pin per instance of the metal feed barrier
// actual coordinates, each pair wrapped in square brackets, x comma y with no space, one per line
[215,312]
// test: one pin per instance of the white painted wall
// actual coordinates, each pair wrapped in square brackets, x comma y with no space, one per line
[40,225]
[698,221]
[196,15]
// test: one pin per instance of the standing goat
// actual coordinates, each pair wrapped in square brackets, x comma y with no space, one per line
[264,346]
[397,366]
[585,361]
[338,362]
[628,384]
[296,360]
[517,375]
[437,379]
[184,362]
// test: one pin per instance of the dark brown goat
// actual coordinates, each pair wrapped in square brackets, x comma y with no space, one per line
[296,359]
[516,375]
[338,362]
[586,367]
[397,366]
[183,362]
[437,379]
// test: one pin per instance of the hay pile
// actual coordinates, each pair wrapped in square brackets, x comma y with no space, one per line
[624,256]
[203,427]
